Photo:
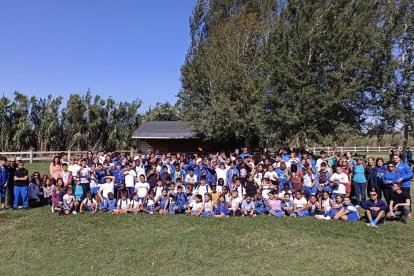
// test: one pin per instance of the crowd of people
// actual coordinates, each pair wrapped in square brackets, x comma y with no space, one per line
[290,183]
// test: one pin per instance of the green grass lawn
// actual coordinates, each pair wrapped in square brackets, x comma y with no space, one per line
[37,242]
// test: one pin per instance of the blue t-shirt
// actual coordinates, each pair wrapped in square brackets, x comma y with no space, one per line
[78,192]
[359,174]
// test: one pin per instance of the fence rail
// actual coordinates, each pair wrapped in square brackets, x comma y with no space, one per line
[48,155]
[355,149]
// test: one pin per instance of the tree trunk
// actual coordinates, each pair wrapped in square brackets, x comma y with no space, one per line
[247,142]
[405,141]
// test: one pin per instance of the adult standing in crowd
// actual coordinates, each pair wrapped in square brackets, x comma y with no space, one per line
[10,183]
[55,168]
[405,175]
[21,181]
[4,175]
[409,155]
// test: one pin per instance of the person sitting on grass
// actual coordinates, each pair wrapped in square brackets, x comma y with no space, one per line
[109,204]
[181,201]
[399,204]
[313,205]
[336,205]
[300,205]
[122,206]
[89,204]
[235,204]
[69,202]
[287,204]
[149,204]
[162,201]
[207,210]
[222,209]
[134,204]
[79,194]
[325,202]
[247,207]
[374,209]
[259,204]
[275,205]
[348,212]
[196,206]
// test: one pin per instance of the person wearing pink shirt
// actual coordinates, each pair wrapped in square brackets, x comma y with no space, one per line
[55,168]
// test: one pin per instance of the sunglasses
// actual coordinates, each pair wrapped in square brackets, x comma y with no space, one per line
[391,167]
[373,195]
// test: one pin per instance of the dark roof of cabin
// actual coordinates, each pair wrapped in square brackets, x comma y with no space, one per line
[164,130]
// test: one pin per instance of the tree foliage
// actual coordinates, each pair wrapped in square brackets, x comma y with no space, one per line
[85,123]
[278,70]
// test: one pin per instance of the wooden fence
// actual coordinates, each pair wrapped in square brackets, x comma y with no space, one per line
[48,155]
[354,149]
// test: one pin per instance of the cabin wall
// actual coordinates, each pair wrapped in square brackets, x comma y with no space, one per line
[178,145]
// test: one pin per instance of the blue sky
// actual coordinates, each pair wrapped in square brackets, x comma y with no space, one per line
[126,49]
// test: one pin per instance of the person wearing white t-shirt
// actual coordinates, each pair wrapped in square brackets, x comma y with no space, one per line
[191,177]
[271,173]
[221,172]
[107,187]
[339,180]
[235,204]
[299,205]
[89,204]
[195,206]
[130,179]
[142,188]
[122,205]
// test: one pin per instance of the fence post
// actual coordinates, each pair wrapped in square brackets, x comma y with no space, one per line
[367,149]
[354,149]
[131,152]
[68,154]
[31,157]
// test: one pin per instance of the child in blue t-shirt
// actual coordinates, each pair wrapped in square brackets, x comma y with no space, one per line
[109,204]
[348,211]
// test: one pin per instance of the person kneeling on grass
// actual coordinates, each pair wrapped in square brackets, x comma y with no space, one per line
[122,206]
[196,206]
[336,205]
[300,205]
[69,202]
[247,207]
[89,204]
[275,205]
[348,211]
[374,209]
[207,210]
[222,209]
[399,204]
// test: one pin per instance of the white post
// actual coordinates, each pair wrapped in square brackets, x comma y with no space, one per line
[367,149]
[131,152]
[68,154]
[31,157]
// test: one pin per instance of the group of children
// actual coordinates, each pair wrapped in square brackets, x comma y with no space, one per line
[212,185]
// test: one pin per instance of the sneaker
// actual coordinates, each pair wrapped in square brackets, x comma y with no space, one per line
[53,209]
[293,215]
[327,218]
[319,216]
[254,215]
[369,224]
[404,219]
[373,225]
[151,213]
[74,212]
[357,206]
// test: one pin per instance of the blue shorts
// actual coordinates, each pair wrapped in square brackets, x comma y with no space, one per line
[95,190]
[352,216]
[303,213]
[3,192]
[150,208]
[206,214]
[68,208]
[88,209]
[278,213]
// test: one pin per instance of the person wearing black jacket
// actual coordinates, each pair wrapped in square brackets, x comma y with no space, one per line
[21,181]
[10,183]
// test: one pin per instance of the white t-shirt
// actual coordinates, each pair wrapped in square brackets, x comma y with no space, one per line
[142,189]
[341,178]
[123,204]
[107,188]
[130,178]
[74,170]
[307,180]
[318,164]
[234,202]
[241,191]
[84,174]
[88,202]
[189,178]
[158,191]
[300,203]
[195,207]
[202,190]
[221,174]
[271,175]
[68,198]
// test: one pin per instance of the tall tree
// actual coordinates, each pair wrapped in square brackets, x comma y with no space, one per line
[162,112]
[222,80]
